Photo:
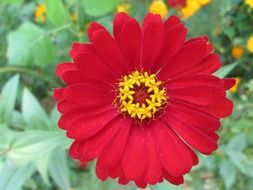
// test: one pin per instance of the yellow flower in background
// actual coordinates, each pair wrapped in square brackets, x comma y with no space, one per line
[190,8]
[158,7]
[250,44]
[203,2]
[237,52]
[234,89]
[249,3]
[124,7]
[73,18]
[39,13]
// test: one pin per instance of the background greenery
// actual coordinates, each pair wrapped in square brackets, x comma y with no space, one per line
[33,151]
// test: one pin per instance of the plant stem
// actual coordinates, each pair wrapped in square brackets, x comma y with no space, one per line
[30,72]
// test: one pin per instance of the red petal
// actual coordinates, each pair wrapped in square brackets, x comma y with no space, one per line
[119,21]
[123,181]
[65,105]
[148,18]
[61,68]
[87,95]
[174,40]
[223,108]
[196,138]
[190,55]
[81,48]
[152,41]
[131,42]
[95,144]
[134,160]
[195,118]
[75,149]
[195,80]
[154,169]
[108,51]
[93,68]
[67,119]
[58,93]
[88,126]
[199,95]
[214,136]
[208,66]
[114,149]
[141,184]
[94,26]
[73,77]
[229,83]
[174,155]
[174,180]
[171,22]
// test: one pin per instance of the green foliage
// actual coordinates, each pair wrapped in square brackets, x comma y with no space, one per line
[98,7]
[34,46]
[13,178]
[58,169]
[8,98]
[33,113]
[56,12]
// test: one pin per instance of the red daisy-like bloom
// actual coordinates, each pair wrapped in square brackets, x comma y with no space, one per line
[142,101]
[177,3]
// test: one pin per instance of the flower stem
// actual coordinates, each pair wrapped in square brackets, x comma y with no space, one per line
[36,74]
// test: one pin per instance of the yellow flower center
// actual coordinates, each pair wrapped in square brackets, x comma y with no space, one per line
[141,95]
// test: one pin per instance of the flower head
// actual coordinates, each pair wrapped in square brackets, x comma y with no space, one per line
[73,17]
[250,44]
[123,8]
[142,101]
[249,3]
[39,13]
[192,6]
[158,7]
[237,52]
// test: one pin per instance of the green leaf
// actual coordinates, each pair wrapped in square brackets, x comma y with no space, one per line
[34,115]
[6,139]
[55,115]
[225,70]
[238,143]
[34,144]
[42,167]
[56,12]
[228,173]
[8,99]
[13,178]
[58,169]
[98,7]
[30,45]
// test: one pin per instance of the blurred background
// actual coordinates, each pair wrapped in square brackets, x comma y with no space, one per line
[36,35]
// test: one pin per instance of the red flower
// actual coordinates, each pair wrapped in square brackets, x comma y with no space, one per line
[142,101]
[177,3]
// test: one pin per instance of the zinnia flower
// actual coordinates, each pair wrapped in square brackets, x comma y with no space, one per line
[142,101]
